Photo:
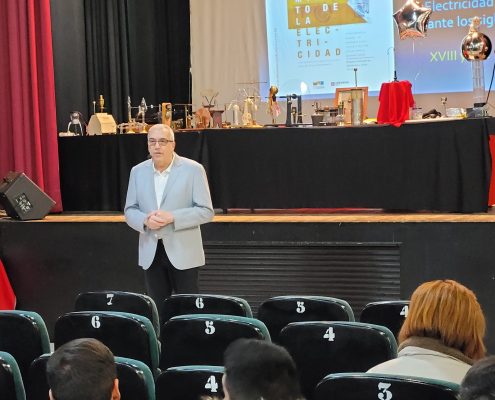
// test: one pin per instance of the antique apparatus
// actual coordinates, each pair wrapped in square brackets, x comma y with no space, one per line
[357,102]
[203,116]
[183,116]
[324,115]
[248,100]
[166,111]
[236,112]
[357,115]
[294,113]
[100,122]
[352,102]
[476,47]
[249,111]
[140,123]
[75,127]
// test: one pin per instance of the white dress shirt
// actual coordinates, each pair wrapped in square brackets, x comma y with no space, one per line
[161,179]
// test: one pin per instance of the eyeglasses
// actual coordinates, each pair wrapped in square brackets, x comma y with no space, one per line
[161,142]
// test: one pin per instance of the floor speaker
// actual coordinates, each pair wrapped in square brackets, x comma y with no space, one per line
[22,198]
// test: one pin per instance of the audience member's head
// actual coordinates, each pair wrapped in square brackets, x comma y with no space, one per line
[83,369]
[256,369]
[448,311]
[479,382]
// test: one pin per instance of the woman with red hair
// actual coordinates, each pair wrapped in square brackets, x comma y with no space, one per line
[442,335]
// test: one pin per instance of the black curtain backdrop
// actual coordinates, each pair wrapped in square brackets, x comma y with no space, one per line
[119,48]
[107,54]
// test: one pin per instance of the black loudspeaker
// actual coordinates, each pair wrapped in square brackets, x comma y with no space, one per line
[22,198]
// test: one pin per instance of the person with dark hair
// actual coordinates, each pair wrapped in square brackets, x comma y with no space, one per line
[256,369]
[479,382]
[82,369]
[442,335]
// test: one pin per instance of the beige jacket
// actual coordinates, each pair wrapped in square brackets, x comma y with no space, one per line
[434,361]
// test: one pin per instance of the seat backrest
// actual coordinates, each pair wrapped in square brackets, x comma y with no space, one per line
[322,348]
[190,382]
[24,336]
[135,379]
[181,304]
[11,385]
[127,335]
[36,384]
[358,386]
[201,339]
[386,313]
[112,300]
[277,312]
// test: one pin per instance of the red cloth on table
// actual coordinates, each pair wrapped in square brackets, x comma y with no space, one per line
[7,296]
[395,100]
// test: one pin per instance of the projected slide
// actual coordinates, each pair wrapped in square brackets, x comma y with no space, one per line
[434,64]
[315,45]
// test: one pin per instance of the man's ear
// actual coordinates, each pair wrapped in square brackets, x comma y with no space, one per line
[224,387]
[115,390]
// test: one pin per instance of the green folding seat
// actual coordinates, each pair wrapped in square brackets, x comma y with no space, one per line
[181,304]
[127,335]
[114,300]
[386,313]
[24,336]
[277,312]
[359,386]
[201,339]
[320,348]
[11,385]
[36,384]
[190,382]
[135,379]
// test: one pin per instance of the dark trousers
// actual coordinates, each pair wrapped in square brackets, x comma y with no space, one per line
[162,278]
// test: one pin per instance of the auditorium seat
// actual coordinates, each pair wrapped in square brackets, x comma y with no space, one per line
[201,339]
[190,382]
[11,386]
[386,313]
[320,348]
[112,300]
[358,386]
[24,336]
[181,304]
[277,312]
[135,379]
[36,384]
[127,335]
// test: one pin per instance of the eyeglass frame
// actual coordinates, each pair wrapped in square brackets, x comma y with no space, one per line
[161,142]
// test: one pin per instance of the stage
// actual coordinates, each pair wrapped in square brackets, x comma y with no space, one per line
[442,165]
[357,255]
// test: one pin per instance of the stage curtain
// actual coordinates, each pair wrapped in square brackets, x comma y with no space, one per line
[120,48]
[28,137]
[173,51]
[106,24]
[7,296]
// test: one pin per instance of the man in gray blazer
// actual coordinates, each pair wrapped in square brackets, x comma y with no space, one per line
[167,200]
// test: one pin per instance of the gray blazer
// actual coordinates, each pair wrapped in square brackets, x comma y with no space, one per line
[186,196]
